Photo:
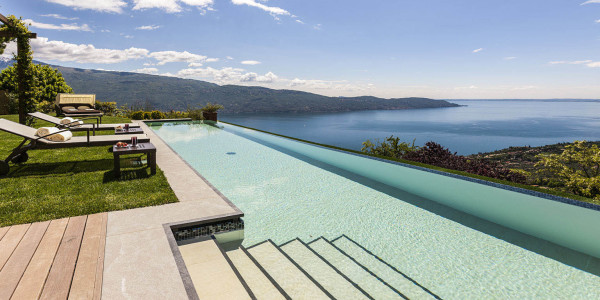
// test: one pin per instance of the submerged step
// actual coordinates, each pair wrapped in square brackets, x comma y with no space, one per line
[401,283]
[365,280]
[329,278]
[211,274]
[258,282]
[291,279]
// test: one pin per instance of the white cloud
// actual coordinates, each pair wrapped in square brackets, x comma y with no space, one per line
[147,27]
[253,77]
[477,50]
[169,6]
[209,60]
[250,62]
[595,64]
[299,21]
[164,57]
[74,26]
[590,2]
[317,27]
[272,10]
[461,88]
[564,62]
[597,21]
[149,64]
[510,58]
[146,70]
[113,6]
[229,57]
[173,6]
[57,16]
[57,50]
[227,74]
[199,3]
[525,87]
[104,30]
[195,65]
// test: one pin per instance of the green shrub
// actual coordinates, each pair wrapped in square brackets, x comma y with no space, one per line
[176,114]
[137,115]
[123,112]
[195,114]
[390,147]
[156,115]
[147,115]
[108,108]
[44,106]
[211,108]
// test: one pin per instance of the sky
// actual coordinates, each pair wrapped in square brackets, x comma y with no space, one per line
[460,49]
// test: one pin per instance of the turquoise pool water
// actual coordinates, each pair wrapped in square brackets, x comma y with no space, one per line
[456,255]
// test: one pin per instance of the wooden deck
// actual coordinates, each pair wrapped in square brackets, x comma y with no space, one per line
[58,259]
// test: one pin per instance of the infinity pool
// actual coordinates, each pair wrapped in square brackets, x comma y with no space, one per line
[285,194]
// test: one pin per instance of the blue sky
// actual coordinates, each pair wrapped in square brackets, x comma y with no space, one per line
[438,49]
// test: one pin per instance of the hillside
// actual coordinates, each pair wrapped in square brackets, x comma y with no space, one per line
[166,93]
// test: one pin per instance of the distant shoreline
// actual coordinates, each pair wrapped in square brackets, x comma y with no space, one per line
[531,100]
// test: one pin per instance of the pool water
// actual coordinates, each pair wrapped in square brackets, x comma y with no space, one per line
[285,195]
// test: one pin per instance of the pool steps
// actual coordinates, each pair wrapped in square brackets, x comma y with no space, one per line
[205,261]
[321,269]
[294,281]
[385,271]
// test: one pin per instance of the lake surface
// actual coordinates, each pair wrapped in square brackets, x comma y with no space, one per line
[478,126]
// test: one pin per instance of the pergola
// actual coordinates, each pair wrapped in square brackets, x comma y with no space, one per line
[20,71]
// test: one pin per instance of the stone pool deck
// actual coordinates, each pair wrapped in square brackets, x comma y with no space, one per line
[139,263]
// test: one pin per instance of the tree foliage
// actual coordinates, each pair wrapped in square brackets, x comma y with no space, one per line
[25,79]
[47,82]
[390,147]
[577,168]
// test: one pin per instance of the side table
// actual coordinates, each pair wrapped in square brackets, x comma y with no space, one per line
[147,148]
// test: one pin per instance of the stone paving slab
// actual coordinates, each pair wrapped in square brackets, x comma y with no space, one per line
[139,263]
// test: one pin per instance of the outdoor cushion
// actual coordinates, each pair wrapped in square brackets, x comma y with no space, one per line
[68,108]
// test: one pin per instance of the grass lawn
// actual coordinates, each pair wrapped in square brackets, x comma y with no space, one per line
[71,182]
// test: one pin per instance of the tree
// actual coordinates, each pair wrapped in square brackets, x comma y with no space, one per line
[47,82]
[577,167]
[12,29]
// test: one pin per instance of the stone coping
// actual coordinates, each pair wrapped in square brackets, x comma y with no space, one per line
[139,261]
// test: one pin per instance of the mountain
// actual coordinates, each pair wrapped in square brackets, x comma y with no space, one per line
[5,62]
[167,93]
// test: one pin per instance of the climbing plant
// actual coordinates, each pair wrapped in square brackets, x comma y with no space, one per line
[17,30]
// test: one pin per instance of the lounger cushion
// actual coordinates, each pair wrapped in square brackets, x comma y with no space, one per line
[69,109]
[83,107]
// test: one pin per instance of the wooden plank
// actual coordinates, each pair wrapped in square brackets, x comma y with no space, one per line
[4,19]
[100,265]
[10,241]
[16,265]
[85,272]
[60,276]
[32,282]
[3,230]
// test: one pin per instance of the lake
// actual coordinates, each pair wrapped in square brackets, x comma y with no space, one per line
[477,126]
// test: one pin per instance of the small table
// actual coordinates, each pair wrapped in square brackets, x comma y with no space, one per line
[131,130]
[146,148]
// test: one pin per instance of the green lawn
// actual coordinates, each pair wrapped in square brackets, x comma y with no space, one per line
[71,182]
